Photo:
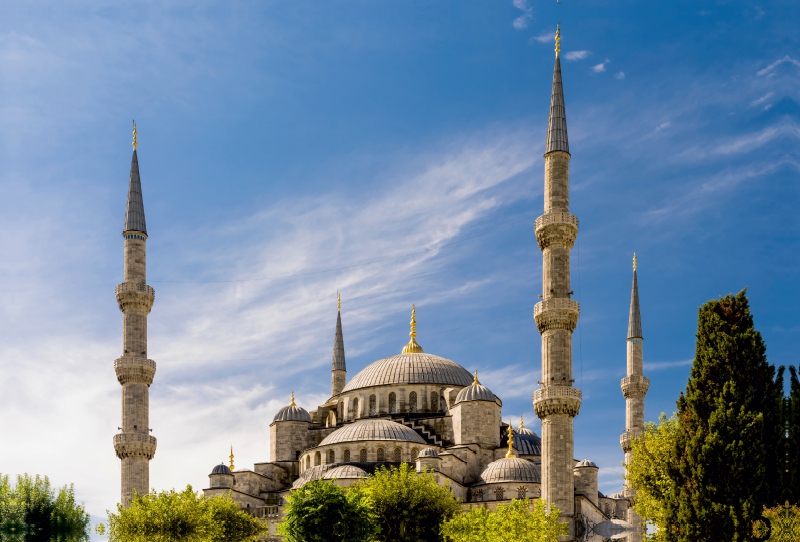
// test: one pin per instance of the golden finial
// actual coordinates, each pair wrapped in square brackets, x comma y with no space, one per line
[558,39]
[634,261]
[412,347]
[231,456]
[510,452]
[521,423]
[475,379]
[338,301]
[292,403]
[134,135]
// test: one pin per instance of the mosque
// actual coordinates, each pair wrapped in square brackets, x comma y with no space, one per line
[416,407]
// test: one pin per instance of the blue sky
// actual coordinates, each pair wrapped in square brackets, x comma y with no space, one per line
[289,138]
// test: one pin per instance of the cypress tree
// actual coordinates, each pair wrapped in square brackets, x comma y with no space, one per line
[723,470]
[791,484]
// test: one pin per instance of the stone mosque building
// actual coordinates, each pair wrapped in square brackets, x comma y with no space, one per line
[417,407]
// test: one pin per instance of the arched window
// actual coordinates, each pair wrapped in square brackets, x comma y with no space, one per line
[412,401]
[479,495]
[414,454]
[373,408]
[498,494]
[355,407]
[346,456]
[435,401]
[522,492]
[331,456]
[362,455]
[317,459]
[398,455]
[392,402]
[341,411]
[381,455]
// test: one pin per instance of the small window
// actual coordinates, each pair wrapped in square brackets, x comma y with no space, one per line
[479,495]
[414,453]
[373,408]
[398,455]
[331,456]
[381,455]
[522,492]
[435,401]
[498,493]
[355,407]
[317,459]
[346,456]
[362,455]
[392,402]
[412,401]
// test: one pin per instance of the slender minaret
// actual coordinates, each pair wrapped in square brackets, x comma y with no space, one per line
[634,388]
[557,402]
[338,366]
[134,445]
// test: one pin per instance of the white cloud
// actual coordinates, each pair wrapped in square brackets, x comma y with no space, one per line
[599,68]
[771,68]
[547,37]
[620,76]
[762,99]
[576,55]
[661,365]
[527,14]
[663,125]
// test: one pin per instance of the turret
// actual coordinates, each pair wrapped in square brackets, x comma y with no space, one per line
[338,365]
[476,416]
[288,433]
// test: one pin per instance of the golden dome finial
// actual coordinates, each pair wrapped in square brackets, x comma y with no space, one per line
[521,423]
[558,39]
[634,261]
[338,301]
[510,452]
[231,456]
[292,403]
[412,347]
[475,379]
[134,136]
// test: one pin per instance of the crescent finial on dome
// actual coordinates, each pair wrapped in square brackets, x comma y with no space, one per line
[510,452]
[413,347]
[292,403]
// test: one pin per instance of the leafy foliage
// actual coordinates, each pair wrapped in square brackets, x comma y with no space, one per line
[791,466]
[322,512]
[185,516]
[782,525]
[514,522]
[408,506]
[32,511]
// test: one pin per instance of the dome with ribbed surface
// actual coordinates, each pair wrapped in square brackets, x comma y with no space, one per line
[475,392]
[292,413]
[586,463]
[511,469]
[344,471]
[313,473]
[428,452]
[221,469]
[617,495]
[528,443]
[410,369]
[364,430]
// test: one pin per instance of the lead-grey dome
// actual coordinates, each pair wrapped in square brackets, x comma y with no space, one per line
[510,469]
[313,473]
[428,452]
[221,469]
[292,413]
[586,463]
[344,471]
[410,369]
[363,430]
[475,392]
[528,443]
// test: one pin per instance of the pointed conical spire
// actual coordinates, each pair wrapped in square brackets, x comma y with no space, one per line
[557,126]
[338,363]
[134,211]
[635,318]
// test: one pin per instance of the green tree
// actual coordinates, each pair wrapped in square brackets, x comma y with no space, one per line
[320,511]
[184,516]
[408,506]
[33,511]
[649,473]
[724,470]
[791,482]
[514,522]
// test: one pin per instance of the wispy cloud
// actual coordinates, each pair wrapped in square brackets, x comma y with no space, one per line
[576,55]
[527,14]
[771,68]
[750,142]
[662,365]
[544,38]
[762,99]
[599,68]
[620,76]
[662,126]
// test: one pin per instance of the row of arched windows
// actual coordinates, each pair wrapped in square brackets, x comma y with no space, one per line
[381,455]
[412,406]
[499,493]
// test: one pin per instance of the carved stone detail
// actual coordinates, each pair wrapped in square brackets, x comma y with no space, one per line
[626,438]
[136,370]
[557,400]
[135,297]
[635,386]
[134,445]
[556,229]
[556,313]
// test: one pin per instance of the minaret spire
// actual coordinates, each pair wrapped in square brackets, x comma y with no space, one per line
[135,447]
[634,318]
[338,365]
[557,126]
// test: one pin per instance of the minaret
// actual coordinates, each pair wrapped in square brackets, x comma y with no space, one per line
[634,388]
[338,366]
[134,445]
[557,402]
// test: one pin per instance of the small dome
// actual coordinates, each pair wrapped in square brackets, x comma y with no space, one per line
[617,495]
[511,469]
[428,452]
[526,431]
[475,392]
[221,469]
[528,443]
[292,413]
[313,473]
[344,471]
[364,430]
[586,463]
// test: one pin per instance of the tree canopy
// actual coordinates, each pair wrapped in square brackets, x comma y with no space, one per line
[514,522]
[184,516]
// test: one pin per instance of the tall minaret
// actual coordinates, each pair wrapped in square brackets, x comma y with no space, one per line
[634,388]
[134,445]
[338,366]
[557,402]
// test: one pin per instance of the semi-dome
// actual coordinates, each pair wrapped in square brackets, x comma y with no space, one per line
[292,413]
[586,463]
[417,368]
[475,392]
[363,430]
[528,443]
[428,452]
[511,469]
[221,469]
[343,472]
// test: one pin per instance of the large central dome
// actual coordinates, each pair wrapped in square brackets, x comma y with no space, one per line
[410,369]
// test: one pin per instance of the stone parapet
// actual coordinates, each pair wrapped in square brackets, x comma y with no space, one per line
[557,400]
[135,296]
[556,313]
[626,438]
[556,229]
[135,445]
[635,387]
[134,369]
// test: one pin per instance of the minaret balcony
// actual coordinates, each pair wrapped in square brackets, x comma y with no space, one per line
[557,400]
[556,229]
[135,370]
[135,296]
[635,387]
[556,313]
[626,439]
[135,445]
